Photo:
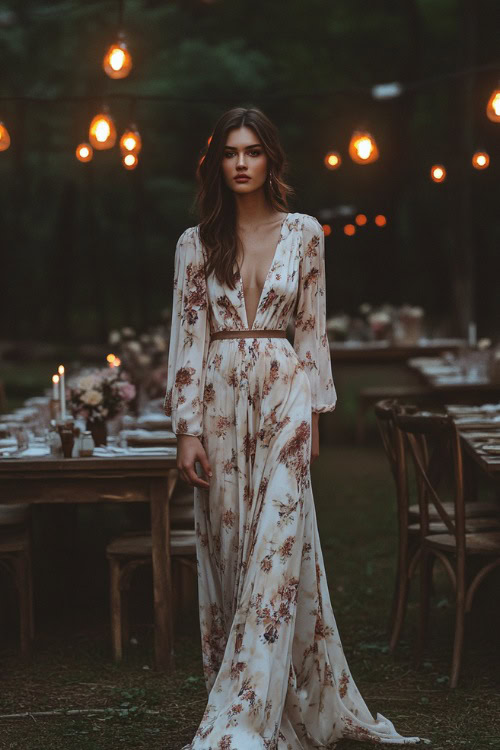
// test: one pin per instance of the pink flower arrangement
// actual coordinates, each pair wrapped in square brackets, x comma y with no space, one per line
[100,394]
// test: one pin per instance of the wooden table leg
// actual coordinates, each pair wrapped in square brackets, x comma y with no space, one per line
[162,573]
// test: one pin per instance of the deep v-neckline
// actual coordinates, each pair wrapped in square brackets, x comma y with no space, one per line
[280,238]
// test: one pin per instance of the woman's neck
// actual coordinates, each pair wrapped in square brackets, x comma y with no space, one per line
[253,210]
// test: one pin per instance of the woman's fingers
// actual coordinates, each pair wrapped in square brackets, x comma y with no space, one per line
[193,478]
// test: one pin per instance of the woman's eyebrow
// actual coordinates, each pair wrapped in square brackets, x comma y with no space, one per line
[233,148]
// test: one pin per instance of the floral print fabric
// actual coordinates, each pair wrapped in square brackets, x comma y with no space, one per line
[276,675]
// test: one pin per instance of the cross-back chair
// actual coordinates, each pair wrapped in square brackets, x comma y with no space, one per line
[430,438]
[481,515]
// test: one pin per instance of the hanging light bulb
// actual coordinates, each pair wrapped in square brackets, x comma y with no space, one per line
[102,131]
[130,161]
[362,148]
[327,230]
[117,61]
[130,142]
[481,160]
[493,106]
[349,230]
[333,160]
[4,137]
[438,173]
[360,220]
[84,152]
[380,220]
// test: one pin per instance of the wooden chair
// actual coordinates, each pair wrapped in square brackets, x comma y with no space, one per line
[129,552]
[430,438]
[368,397]
[15,561]
[480,515]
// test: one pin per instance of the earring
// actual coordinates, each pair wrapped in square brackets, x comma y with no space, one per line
[270,179]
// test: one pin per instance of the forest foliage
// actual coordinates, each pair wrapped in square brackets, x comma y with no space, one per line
[89,247]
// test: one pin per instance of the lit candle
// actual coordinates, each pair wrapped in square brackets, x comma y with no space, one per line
[55,387]
[62,392]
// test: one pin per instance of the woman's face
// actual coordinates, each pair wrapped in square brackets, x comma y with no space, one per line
[245,163]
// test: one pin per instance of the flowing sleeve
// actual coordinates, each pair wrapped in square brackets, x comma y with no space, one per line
[310,338]
[189,338]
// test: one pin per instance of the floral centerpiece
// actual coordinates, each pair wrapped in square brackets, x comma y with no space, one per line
[99,395]
[144,357]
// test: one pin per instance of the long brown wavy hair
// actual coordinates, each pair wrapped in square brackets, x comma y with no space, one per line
[215,200]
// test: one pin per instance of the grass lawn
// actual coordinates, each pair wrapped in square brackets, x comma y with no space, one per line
[139,708]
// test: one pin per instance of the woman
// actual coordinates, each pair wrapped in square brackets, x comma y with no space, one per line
[245,404]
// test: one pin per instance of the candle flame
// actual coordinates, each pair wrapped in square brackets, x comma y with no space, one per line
[60,369]
[55,378]
[111,358]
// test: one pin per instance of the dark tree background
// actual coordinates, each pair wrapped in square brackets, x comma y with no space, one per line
[89,247]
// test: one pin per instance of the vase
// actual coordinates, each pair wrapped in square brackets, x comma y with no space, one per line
[99,430]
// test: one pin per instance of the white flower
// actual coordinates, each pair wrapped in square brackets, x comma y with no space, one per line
[339,323]
[128,332]
[365,308]
[144,360]
[87,382]
[114,337]
[134,346]
[379,318]
[92,397]
[159,343]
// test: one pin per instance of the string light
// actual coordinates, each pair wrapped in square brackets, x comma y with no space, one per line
[349,230]
[481,160]
[130,161]
[4,137]
[327,230]
[493,106]
[117,62]
[130,142]
[380,220]
[84,152]
[360,220]
[102,131]
[438,173]
[333,160]
[362,148]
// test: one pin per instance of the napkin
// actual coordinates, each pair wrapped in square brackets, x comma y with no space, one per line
[34,450]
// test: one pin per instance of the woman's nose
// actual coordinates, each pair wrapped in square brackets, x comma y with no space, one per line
[241,161]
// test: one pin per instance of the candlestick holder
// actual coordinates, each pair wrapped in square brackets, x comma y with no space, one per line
[67,432]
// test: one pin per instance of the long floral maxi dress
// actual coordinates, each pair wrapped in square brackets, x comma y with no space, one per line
[274,667]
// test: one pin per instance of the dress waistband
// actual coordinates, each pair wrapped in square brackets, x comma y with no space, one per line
[249,334]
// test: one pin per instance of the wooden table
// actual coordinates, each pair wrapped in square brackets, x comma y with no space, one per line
[108,479]
[379,352]
[471,435]
[453,384]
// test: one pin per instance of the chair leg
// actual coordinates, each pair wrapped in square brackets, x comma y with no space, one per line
[116,609]
[459,629]
[125,616]
[401,588]
[426,566]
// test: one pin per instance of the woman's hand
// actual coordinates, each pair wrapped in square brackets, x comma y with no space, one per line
[314,436]
[190,450]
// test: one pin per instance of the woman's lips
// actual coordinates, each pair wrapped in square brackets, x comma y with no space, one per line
[242,178]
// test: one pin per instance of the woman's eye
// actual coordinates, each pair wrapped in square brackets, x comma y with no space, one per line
[255,153]
[228,154]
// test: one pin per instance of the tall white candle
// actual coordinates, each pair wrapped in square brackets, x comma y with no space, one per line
[62,392]
[472,335]
[55,387]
